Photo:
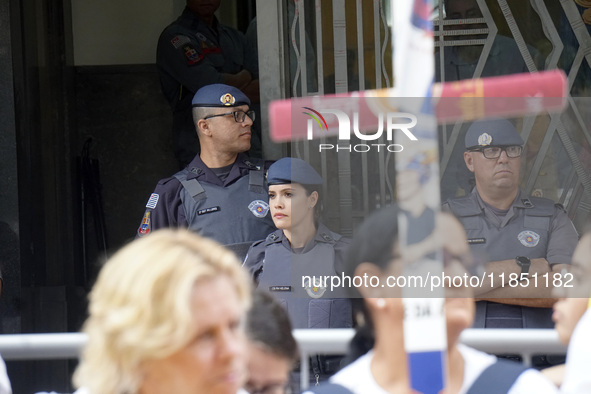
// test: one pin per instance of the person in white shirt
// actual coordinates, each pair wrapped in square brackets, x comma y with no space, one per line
[5,387]
[572,318]
[380,314]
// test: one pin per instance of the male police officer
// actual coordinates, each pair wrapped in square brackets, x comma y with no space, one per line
[193,51]
[516,234]
[221,194]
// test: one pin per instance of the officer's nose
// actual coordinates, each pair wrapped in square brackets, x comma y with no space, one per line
[503,157]
[247,121]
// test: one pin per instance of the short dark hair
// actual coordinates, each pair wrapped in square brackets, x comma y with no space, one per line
[373,242]
[200,113]
[268,324]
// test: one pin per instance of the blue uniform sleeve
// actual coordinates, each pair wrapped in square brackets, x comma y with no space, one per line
[164,208]
[563,238]
[341,249]
[254,260]
[181,57]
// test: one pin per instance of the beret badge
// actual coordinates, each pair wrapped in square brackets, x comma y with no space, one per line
[484,139]
[227,99]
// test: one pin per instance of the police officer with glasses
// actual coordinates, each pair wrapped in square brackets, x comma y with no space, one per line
[515,234]
[222,193]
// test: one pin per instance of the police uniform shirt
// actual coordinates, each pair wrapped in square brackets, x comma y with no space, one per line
[534,228]
[192,54]
[165,207]
[338,311]
[559,244]
[578,363]
[256,254]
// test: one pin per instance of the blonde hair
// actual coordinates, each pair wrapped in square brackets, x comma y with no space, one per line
[140,306]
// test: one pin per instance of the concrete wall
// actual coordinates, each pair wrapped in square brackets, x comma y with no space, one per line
[112,32]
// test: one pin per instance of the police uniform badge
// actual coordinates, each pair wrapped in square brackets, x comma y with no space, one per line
[207,46]
[153,201]
[227,99]
[484,139]
[146,225]
[315,291]
[193,57]
[259,208]
[179,41]
[528,238]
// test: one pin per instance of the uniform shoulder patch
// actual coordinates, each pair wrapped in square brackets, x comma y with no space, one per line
[179,41]
[191,54]
[145,225]
[153,201]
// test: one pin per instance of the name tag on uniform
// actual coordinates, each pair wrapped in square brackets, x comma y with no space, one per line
[476,241]
[208,210]
[279,288]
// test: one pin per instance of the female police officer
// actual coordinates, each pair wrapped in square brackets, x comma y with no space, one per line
[292,259]
[290,262]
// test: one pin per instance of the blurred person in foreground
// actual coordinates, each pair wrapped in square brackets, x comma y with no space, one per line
[573,323]
[166,316]
[272,349]
[380,362]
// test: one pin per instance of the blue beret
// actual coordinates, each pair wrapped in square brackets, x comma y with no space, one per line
[292,170]
[493,132]
[219,95]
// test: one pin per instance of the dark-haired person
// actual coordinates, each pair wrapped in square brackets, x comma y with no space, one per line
[301,247]
[380,363]
[222,193]
[272,349]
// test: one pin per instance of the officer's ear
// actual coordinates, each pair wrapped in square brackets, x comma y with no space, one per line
[469,161]
[313,198]
[203,127]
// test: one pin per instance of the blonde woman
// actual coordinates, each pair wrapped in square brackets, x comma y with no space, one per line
[166,316]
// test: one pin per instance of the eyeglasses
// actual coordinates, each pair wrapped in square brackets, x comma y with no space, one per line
[239,116]
[494,152]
